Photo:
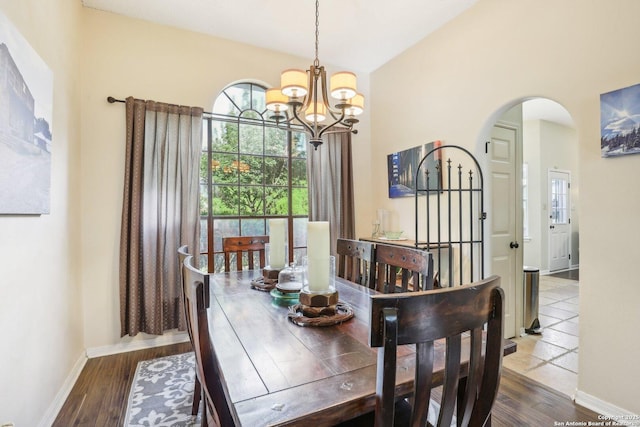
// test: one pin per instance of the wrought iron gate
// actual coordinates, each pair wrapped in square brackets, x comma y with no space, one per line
[449,221]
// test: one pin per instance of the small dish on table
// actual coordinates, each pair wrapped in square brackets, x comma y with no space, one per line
[393,235]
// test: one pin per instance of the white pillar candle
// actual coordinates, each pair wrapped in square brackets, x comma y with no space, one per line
[276,243]
[318,256]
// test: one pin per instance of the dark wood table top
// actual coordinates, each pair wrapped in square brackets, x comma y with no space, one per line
[279,373]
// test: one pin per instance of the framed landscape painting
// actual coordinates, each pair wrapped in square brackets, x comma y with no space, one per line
[26,98]
[402,166]
[620,122]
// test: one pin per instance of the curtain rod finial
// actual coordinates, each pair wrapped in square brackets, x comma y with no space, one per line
[111,99]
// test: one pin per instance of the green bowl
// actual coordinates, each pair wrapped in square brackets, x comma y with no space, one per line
[392,234]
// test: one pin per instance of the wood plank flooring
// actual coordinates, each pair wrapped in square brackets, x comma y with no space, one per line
[99,397]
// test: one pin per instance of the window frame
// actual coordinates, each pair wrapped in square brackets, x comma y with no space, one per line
[255,115]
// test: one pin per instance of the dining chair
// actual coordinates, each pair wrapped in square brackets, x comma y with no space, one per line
[241,246]
[402,269]
[422,318]
[356,261]
[183,253]
[214,387]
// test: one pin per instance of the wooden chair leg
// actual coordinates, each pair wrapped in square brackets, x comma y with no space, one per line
[205,418]
[197,397]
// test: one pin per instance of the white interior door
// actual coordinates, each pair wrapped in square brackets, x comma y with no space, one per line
[559,220]
[506,207]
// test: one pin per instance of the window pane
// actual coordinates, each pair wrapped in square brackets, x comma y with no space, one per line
[299,201]
[300,232]
[224,136]
[275,141]
[298,254]
[259,103]
[225,200]
[299,145]
[299,172]
[276,171]
[253,227]
[204,229]
[224,228]
[205,135]
[277,201]
[240,95]
[218,263]
[251,170]
[223,105]
[251,139]
[559,201]
[224,168]
[204,200]
[251,201]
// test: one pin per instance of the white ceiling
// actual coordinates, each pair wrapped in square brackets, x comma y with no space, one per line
[546,109]
[360,35]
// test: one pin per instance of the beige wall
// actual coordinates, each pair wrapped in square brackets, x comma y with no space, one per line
[454,84]
[40,296]
[125,57]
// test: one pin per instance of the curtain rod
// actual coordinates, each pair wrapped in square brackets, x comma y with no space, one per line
[111,100]
[229,119]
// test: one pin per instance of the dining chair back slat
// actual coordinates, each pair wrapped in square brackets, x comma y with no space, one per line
[239,246]
[356,261]
[197,293]
[423,318]
[402,269]
[183,253]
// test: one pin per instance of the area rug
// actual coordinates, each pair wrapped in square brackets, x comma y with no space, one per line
[162,393]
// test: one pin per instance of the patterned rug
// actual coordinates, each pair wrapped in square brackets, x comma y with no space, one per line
[162,393]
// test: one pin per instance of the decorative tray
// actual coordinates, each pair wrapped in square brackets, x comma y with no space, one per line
[290,297]
[263,284]
[343,312]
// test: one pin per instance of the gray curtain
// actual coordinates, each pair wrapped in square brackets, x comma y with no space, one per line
[159,212]
[330,175]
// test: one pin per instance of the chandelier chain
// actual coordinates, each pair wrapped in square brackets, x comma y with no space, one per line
[316,62]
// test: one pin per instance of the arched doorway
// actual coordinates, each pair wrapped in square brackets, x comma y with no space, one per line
[526,207]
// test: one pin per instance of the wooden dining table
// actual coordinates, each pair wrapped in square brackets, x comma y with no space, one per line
[279,373]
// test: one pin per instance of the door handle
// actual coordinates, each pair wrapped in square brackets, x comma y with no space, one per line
[514,245]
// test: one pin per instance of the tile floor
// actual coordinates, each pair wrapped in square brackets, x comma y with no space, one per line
[551,358]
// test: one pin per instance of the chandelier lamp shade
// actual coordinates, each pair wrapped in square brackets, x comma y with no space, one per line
[302,99]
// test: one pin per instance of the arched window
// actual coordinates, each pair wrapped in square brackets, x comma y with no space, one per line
[250,171]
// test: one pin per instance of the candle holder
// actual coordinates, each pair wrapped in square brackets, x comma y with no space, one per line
[275,261]
[319,296]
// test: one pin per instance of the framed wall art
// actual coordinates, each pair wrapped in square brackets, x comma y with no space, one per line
[26,98]
[402,166]
[620,122]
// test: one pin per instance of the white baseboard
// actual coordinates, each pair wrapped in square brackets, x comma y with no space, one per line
[55,406]
[608,411]
[133,344]
[122,347]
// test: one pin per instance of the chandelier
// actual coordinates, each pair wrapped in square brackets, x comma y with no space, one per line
[304,94]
